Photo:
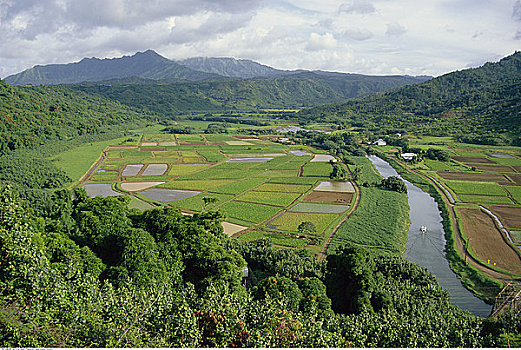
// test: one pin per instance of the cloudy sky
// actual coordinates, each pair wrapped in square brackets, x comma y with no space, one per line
[362,36]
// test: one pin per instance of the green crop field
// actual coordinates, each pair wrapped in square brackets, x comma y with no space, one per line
[436,165]
[240,186]
[281,199]
[515,191]
[278,187]
[104,176]
[195,203]
[297,180]
[251,212]
[185,169]
[317,169]
[204,185]
[211,155]
[476,188]
[291,221]
[482,199]
[77,161]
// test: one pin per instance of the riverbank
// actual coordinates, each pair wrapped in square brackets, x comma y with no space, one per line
[482,284]
[427,248]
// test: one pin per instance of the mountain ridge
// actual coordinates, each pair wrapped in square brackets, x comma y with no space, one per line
[150,65]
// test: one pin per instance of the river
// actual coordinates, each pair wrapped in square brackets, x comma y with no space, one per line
[427,249]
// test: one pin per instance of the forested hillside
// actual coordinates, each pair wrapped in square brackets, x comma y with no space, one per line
[295,90]
[92,273]
[32,116]
[485,100]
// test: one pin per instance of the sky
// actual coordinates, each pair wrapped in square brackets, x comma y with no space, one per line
[380,37]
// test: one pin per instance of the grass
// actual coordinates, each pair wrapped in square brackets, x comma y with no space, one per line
[476,188]
[278,187]
[515,191]
[317,169]
[380,222]
[281,199]
[250,212]
[291,221]
[470,198]
[240,186]
[77,161]
[195,184]
[275,238]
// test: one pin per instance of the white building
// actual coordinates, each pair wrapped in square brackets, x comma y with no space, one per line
[380,142]
[408,156]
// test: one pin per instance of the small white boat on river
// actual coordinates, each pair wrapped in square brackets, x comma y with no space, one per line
[423,229]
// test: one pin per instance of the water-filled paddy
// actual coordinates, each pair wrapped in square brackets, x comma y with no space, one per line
[319,208]
[249,160]
[300,153]
[322,158]
[164,195]
[148,144]
[155,170]
[238,143]
[335,186]
[104,190]
[132,169]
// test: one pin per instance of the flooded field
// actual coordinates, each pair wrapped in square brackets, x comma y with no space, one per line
[155,170]
[132,169]
[335,186]
[104,190]
[249,160]
[322,158]
[164,195]
[300,153]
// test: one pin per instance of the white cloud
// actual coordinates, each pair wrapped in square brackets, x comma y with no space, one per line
[321,42]
[357,6]
[363,36]
[395,30]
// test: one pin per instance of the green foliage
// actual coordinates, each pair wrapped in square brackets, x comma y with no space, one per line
[352,282]
[394,183]
[307,227]
[339,172]
[279,288]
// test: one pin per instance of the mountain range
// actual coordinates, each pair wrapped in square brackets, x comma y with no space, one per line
[149,66]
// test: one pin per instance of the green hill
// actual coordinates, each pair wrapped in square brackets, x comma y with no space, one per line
[305,89]
[485,100]
[35,115]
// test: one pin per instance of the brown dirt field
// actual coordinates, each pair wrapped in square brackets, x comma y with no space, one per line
[517,168]
[516,178]
[500,179]
[487,242]
[495,168]
[509,216]
[329,197]
[473,160]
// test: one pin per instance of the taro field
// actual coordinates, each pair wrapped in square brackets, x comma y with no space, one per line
[264,189]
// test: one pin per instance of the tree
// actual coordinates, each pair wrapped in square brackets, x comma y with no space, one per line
[338,172]
[207,201]
[352,282]
[307,227]
[394,183]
